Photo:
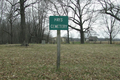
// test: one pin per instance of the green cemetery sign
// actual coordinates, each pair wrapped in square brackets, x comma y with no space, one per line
[58,22]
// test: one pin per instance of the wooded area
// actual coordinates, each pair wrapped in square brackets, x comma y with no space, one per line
[27,21]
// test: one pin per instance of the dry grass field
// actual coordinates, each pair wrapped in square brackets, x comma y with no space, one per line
[78,62]
[103,42]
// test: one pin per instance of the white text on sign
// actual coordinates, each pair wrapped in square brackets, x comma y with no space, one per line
[58,26]
[58,19]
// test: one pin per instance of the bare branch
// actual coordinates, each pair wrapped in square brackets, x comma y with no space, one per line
[12,3]
[74,28]
[30,4]
[110,9]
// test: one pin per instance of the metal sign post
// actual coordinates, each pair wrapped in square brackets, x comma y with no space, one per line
[58,23]
[58,49]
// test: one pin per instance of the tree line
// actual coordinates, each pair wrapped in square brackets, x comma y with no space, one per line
[27,21]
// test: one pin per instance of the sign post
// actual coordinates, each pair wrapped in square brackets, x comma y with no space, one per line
[58,49]
[58,23]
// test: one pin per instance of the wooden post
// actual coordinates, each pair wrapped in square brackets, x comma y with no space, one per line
[58,49]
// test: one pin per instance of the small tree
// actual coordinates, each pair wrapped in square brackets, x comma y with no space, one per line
[110,27]
[11,17]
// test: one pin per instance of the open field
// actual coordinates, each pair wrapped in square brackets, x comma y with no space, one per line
[104,42]
[97,42]
[78,62]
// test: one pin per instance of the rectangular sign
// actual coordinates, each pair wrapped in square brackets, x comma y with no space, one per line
[58,22]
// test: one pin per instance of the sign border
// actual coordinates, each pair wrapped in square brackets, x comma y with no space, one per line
[58,24]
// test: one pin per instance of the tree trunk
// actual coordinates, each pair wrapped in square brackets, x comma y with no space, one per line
[110,38]
[11,34]
[81,31]
[48,36]
[2,37]
[68,36]
[82,37]
[23,36]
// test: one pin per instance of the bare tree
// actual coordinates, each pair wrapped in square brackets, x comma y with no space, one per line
[83,13]
[22,14]
[15,25]
[11,17]
[41,18]
[24,29]
[111,27]
[1,20]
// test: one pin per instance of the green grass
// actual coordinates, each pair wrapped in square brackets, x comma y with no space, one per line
[78,62]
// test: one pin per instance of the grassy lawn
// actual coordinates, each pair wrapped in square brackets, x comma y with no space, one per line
[78,62]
